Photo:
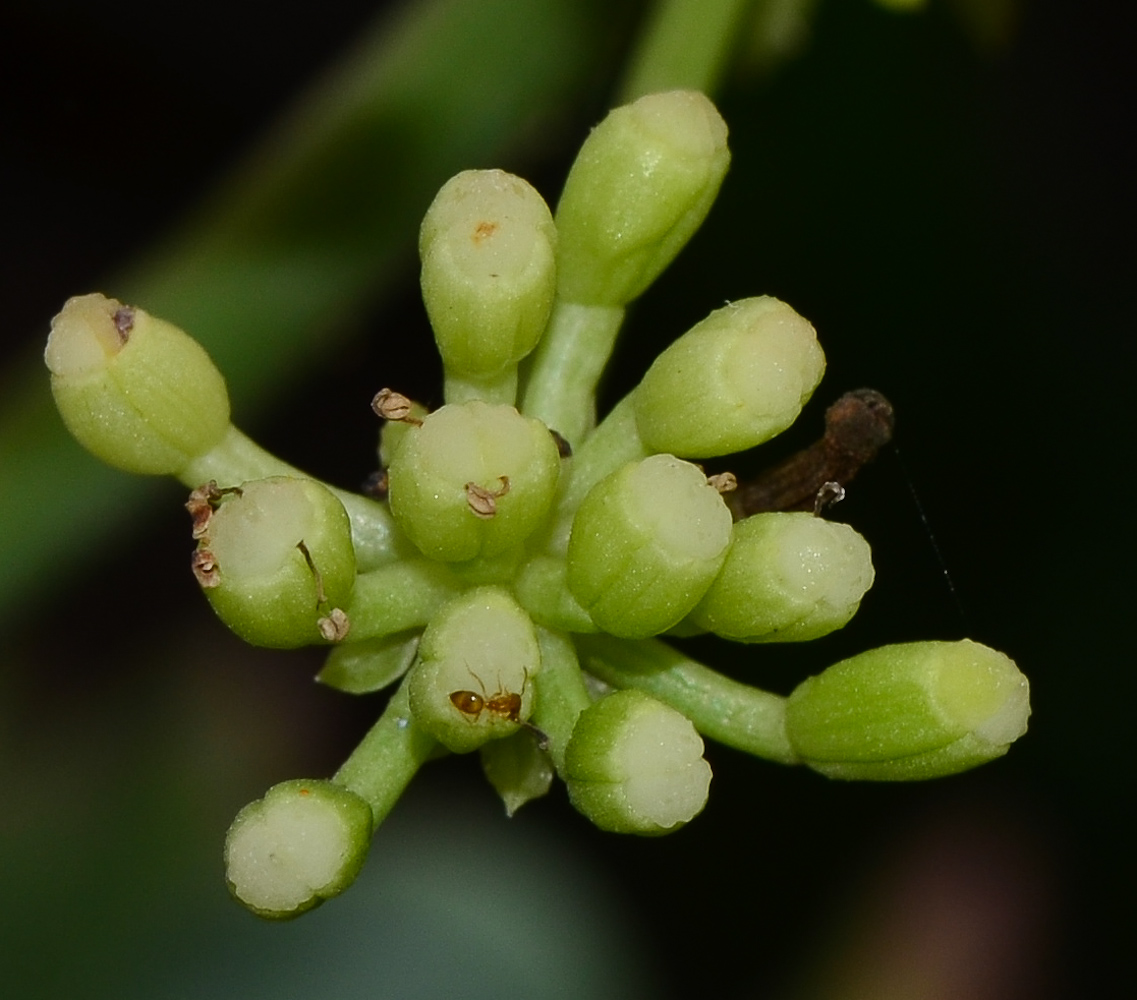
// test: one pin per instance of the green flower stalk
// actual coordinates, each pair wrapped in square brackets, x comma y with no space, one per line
[275,560]
[304,842]
[135,391]
[908,712]
[634,765]
[522,563]
[788,577]
[488,248]
[646,543]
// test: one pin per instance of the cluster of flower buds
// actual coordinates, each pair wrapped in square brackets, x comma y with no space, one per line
[516,571]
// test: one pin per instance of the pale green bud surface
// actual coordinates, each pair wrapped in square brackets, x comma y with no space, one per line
[634,765]
[909,711]
[641,185]
[488,247]
[473,480]
[788,577]
[646,543]
[304,842]
[476,664]
[732,381]
[135,391]
[254,571]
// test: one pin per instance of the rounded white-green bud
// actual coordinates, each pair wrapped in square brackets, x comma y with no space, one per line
[910,711]
[474,479]
[641,185]
[488,247]
[646,543]
[304,842]
[732,381]
[135,391]
[275,560]
[788,577]
[635,765]
[473,678]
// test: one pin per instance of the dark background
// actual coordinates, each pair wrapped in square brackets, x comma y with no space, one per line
[955,222]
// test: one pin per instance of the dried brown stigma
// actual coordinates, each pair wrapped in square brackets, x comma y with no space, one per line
[391,405]
[204,567]
[483,502]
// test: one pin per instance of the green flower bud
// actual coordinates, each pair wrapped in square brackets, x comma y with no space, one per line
[641,185]
[276,562]
[646,543]
[473,480]
[634,765]
[135,391]
[732,381]
[909,712]
[788,577]
[488,247]
[519,770]
[304,842]
[476,663]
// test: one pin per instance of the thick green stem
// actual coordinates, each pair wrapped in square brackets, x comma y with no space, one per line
[398,597]
[561,693]
[462,389]
[382,766]
[614,443]
[685,44]
[560,384]
[238,459]
[724,710]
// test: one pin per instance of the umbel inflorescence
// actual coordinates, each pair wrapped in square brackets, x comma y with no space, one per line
[519,562]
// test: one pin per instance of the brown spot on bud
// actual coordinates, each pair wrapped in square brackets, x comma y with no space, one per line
[391,405]
[484,230]
[483,502]
[564,449]
[205,569]
[334,626]
[377,485]
[124,322]
[723,482]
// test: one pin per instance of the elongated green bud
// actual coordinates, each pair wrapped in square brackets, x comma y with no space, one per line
[476,663]
[646,543]
[641,185]
[788,577]
[304,842]
[135,391]
[909,712]
[275,560]
[473,480]
[634,765]
[732,381]
[488,247]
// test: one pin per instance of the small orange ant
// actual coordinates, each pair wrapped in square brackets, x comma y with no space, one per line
[504,704]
